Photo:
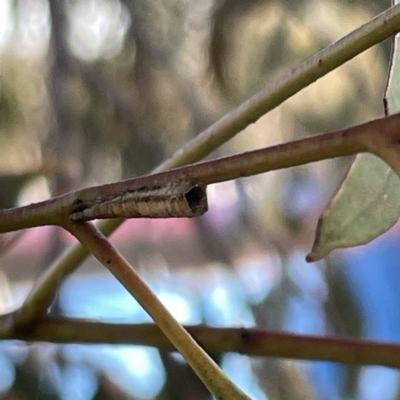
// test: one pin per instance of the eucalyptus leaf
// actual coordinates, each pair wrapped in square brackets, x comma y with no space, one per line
[366,205]
[367,202]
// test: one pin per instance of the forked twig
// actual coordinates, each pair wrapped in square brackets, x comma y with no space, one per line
[181,192]
[379,28]
[379,136]
[121,199]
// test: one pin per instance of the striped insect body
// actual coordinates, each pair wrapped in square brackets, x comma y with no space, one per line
[180,198]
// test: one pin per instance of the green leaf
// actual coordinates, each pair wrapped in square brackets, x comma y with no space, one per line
[365,206]
[367,202]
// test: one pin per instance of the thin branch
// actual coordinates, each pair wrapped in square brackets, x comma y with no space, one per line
[250,341]
[205,368]
[371,33]
[378,29]
[60,210]
[373,136]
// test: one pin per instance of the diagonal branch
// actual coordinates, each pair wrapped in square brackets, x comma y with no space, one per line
[205,368]
[375,136]
[100,201]
[378,29]
[371,33]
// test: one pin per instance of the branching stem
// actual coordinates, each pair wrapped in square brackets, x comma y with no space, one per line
[361,138]
[380,137]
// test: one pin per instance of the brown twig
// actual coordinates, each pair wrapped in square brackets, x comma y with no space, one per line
[379,28]
[57,211]
[205,368]
[361,138]
[250,341]
[378,136]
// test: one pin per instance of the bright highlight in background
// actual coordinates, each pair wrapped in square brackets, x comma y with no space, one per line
[5,22]
[97,28]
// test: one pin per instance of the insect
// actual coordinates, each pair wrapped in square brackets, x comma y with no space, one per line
[179,198]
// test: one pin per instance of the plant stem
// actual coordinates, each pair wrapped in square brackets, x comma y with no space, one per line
[371,33]
[364,137]
[334,144]
[250,341]
[204,367]
[378,29]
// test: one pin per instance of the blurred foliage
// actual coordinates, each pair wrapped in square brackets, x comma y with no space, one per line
[93,92]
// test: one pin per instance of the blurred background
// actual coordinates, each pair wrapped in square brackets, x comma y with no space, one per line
[96,91]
